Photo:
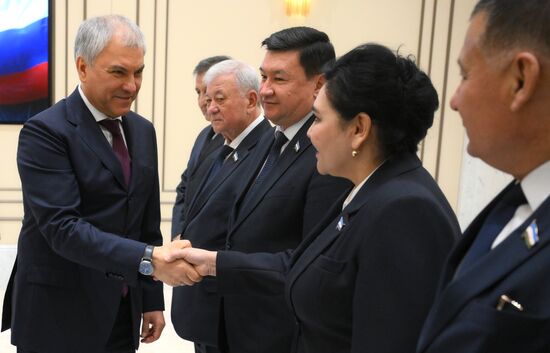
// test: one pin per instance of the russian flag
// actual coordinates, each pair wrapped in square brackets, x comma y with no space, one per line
[23,59]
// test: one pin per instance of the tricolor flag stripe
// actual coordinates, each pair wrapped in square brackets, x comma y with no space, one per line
[25,86]
[24,48]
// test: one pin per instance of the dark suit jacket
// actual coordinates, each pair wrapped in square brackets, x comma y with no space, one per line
[198,164]
[195,310]
[363,282]
[290,202]
[464,317]
[83,231]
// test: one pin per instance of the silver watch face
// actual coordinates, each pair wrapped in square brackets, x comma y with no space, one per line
[146,267]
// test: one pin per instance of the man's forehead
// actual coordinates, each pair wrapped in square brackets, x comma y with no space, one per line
[281,61]
[221,83]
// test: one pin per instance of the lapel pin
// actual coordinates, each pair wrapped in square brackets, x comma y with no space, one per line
[531,235]
[341,223]
[235,156]
[297,147]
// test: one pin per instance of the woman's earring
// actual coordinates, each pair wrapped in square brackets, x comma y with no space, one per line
[354,153]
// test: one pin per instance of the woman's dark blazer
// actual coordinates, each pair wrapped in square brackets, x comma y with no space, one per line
[363,282]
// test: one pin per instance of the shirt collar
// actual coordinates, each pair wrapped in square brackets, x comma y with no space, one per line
[535,185]
[358,187]
[98,116]
[292,130]
[237,140]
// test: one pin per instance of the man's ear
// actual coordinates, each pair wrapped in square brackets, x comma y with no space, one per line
[81,68]
[319,82]
[525,74]
[252,99]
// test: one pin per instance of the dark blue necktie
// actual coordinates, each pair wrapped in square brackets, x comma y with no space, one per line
[224,152]
[272,156]
[499,216]
[271,160]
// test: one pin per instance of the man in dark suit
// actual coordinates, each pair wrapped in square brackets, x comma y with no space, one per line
[284,196]
[88,168]
[235,113]
[495,294]
[207,141]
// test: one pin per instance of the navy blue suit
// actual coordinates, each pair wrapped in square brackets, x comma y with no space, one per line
[364,280]
[191,178]
[464,317]
[289,203]
[195,310]
[83,231]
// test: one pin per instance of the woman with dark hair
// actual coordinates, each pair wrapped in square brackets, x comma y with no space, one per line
[362,282]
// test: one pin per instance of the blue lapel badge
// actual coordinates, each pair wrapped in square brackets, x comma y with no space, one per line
[235,156]
[531,235]
[297,146]
[341,223]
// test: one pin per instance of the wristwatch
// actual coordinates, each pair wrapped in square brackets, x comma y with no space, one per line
[146,265]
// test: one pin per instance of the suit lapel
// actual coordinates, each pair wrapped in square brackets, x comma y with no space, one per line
[337,228]
[298,145]
[237,157]
[498,263]
[209,145]
[90,132]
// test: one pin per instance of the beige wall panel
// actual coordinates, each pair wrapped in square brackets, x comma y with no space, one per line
[9,231]
[147,21]
[60,50]
[424,58]
[452,136]
[11,208]
[128,8]
[75,14]
[434,60]
[157,52]
[9,178]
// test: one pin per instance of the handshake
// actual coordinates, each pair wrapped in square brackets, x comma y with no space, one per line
[179,264]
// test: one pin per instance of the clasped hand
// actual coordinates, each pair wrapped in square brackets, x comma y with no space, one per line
[178,264]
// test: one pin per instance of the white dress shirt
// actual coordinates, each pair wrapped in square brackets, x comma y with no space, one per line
[536,187]
[99,116]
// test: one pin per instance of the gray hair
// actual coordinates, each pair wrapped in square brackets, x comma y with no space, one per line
[95,33]
[245,75]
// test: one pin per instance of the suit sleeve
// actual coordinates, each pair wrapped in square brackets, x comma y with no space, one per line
[153,298]
[178,211]
[51,190]
[251,273]
[400,260]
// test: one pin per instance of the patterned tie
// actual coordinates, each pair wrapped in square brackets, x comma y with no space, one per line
[272,157]
[497,219]
[119,147]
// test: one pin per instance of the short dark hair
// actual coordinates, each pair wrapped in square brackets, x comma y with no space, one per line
[399,98]
[314,47]
[516,23]
[206,63]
